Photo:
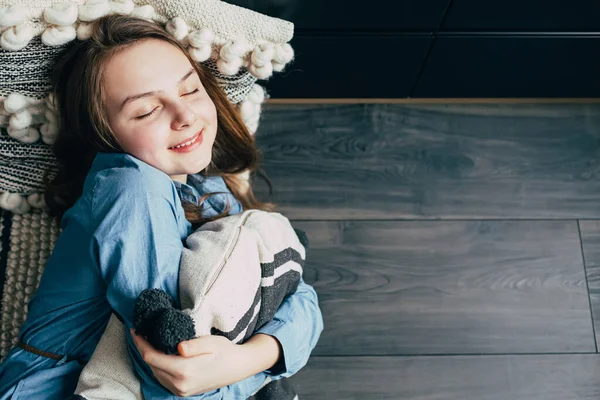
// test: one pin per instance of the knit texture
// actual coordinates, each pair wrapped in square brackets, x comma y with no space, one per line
[237,45]
[32,238]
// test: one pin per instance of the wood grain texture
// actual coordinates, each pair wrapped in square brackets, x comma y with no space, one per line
[449,287]
[531,377]
[590,239]
[432,161]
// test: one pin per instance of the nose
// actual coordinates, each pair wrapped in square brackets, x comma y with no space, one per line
[184,116]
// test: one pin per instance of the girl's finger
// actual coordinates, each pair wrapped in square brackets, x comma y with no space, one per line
[157,360]
[196,347]
[165,379]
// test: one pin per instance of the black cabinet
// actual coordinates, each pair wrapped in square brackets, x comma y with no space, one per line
[335,15]
[374,66]
[523,16]
[438,48]
[511,66]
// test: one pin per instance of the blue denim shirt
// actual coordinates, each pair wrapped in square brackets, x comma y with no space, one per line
[126,234]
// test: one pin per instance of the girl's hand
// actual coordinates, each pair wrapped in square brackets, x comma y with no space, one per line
[209,362]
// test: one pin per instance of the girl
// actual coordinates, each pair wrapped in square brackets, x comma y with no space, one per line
[144,132]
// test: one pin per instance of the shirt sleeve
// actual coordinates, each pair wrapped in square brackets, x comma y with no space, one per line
[138,244]
[297,325]
[137,241]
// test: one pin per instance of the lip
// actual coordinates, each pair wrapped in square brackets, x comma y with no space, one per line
[195,137]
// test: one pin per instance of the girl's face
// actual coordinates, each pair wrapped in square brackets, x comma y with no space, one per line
[156,102]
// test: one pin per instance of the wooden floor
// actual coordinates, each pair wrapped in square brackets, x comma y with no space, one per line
[455,248]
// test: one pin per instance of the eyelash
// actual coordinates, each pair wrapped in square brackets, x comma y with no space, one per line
[153,111]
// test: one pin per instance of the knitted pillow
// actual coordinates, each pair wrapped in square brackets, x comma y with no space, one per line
[237,45]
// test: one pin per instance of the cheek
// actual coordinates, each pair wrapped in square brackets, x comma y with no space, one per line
[140,140]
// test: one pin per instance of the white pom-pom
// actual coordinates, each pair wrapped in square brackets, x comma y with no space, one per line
[231,56]
[10,201]
[251,107]
[58,35]
[146,12]
[51,116]
[230,67]
[49,140]
[283,55]
[20,120]
[16,37]
[178,28]
[84,31]
[122,6]
[234,50]
[256,95]
[260,61]
[61,14]
[49,129]
[244,181]
[249,110]
[32,136]
[263,54]
[50,102]
[15,102]
[200,54]
[27,135]
[36,200]
[13,15]
[93,9]
[22,208]
[261,72]
[201,38]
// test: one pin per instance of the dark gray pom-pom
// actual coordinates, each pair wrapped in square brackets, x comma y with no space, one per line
[149,306]
[172,327]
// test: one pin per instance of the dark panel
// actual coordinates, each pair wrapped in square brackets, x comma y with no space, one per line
[449,287]
[496,66]
[347,66]
[519,15]
[590,236]
[536,377]
[383,161]
[353,15]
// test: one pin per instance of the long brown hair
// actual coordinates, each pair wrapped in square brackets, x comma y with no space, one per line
[83,125]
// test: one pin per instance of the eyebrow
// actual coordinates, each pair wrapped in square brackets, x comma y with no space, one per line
[129,99]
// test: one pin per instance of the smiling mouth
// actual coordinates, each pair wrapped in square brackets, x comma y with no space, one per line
[188,142]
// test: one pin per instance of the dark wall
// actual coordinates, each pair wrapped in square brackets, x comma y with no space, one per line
[438,48]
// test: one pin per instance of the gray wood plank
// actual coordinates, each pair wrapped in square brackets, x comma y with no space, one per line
[449,287]
[449,161]
[522,377]
[590,238]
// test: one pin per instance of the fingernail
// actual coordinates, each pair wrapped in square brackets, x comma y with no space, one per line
[183,348]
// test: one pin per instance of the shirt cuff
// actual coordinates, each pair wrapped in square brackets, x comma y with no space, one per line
[276,329]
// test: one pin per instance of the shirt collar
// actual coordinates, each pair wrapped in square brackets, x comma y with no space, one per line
[198,185]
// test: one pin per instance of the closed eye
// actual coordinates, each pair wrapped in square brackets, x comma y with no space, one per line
[147,115]
[192,92]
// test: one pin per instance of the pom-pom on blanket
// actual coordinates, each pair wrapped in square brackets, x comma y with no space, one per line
[234,274]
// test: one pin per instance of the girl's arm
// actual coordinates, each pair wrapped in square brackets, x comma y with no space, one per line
[138,245]
[297,326]
[281,347]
